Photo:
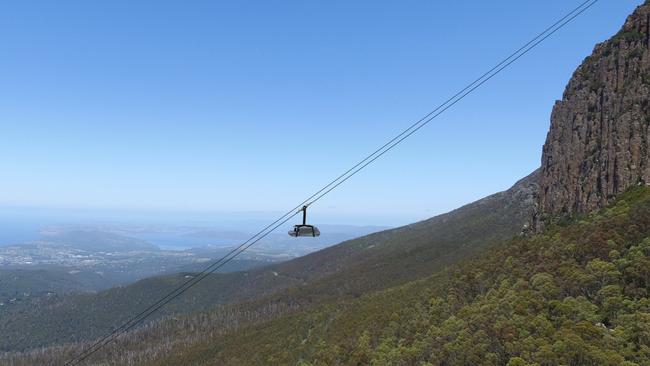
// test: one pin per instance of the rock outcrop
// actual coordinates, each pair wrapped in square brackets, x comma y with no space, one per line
[597,146]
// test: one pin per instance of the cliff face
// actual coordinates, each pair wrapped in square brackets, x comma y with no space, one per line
[597,146]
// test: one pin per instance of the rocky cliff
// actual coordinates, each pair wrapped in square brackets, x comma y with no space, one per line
[597,146]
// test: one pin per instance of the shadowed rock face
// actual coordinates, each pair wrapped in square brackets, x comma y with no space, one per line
[597,146]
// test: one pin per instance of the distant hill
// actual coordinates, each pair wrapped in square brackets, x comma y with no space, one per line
[95,260]
[21,284]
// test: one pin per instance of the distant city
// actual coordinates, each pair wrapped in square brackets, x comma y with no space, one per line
[119,253]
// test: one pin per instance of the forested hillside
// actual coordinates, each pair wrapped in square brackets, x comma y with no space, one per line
[350,269]
[576,295]
[20,285]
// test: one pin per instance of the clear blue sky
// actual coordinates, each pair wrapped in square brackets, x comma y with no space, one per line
[253,105]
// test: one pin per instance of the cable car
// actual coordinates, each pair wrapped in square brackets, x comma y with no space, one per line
[304,229]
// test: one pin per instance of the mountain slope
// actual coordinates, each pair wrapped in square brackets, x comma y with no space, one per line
[349,269]
[399,255]
[576,295]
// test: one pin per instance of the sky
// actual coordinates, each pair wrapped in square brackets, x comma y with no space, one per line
[251,106]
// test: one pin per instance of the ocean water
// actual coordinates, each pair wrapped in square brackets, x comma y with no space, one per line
[173,241]
[18,231]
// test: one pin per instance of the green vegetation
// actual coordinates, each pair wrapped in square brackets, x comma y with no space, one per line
[21,284]
[576,295]
[345,271]
[48,320]
[635,53]
[629,36]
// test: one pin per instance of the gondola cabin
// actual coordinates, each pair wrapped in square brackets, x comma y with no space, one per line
[304,230]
